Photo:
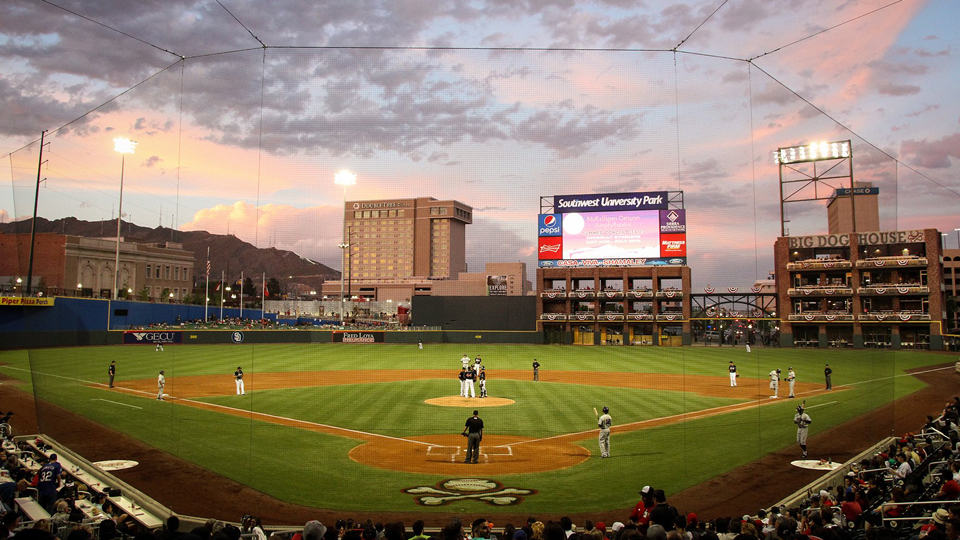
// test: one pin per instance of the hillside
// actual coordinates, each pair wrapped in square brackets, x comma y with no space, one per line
[227,253]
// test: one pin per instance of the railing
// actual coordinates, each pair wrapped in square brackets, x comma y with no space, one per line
[670,293]
[821,316]
[553,317]
[639,316]
[893,289]
[893,316]
[879,262]
[610,317]
[670,316]
[610,294]
[819,264]
[640,293]
[554,294]
[580,293]
[581,316]
[821,290]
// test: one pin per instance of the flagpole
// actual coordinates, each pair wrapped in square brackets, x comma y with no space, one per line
[263,295]
[206,295]
[222,277]
[241,295]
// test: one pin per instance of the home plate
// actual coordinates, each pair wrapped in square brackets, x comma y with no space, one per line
[816,464]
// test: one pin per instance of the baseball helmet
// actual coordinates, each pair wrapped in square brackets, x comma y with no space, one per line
[778,370]
[606,410]
[799,408]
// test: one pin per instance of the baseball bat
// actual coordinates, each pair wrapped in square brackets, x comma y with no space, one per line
[595,413]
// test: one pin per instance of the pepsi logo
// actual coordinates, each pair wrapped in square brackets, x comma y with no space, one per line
[550,221]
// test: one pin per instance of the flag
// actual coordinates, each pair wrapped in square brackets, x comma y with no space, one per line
[218,286]
[266,293]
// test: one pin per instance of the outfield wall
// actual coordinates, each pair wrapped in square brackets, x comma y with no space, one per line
[475,312]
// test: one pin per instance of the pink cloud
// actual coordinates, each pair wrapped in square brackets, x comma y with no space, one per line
[932,154]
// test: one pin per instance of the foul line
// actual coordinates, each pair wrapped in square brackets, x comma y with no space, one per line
[117,403]
[820,405]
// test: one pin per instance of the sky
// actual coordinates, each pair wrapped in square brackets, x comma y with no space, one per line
[243,114]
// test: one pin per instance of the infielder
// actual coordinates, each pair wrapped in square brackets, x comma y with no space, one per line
[470,376]
[465,360]
[733,373]
[775,383]
[791,378]
[604,423]
[463,382]
[482,376]
[238,375]
[112,371]
[536,370]
[161,382]
[476,364]
[802,420]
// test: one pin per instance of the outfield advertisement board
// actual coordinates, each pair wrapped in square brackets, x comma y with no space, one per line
[142,337]
[359,336]
[619,229]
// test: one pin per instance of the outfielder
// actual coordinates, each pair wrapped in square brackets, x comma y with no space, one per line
[470,376]
[802,420]
[604,423]
[536,370]
[159,347]
[238,375]
[791,379]
[482,376]
[733,373]
[161,382]
[775,383]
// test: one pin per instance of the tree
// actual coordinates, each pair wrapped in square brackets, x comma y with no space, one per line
[273,287]
[248,288]
[144,294]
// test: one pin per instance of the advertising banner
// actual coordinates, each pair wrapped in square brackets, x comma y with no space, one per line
[551,247]
[608,202]
[673,245]
[610,235]
[549,225]
[25,301]
[673,222]
[496,285]
[876,238]
[358,336]
[610,263]
[143,337]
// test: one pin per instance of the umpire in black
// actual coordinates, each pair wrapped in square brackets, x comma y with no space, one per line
[473,431]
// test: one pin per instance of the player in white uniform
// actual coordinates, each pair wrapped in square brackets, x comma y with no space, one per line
[791,380]
[161,382]
[159,347]
[604,423]
[775,383]
[465,361]
[238,375]
[802,420]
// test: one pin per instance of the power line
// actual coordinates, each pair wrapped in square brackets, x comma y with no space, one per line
[121,32]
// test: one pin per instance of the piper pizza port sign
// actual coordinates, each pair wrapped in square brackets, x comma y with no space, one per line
[25,301]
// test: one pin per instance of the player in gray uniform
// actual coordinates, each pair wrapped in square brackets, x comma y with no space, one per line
[482,376]
[791,379]
[604,423]
[802,420]
[238,375]
[775,382]
[161,382]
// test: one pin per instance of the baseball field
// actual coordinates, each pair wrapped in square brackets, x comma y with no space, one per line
[377,427]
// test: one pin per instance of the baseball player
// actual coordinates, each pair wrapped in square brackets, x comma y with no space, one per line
[112,371]
[733,373]
[482,376]
[791,379]
[775,383]
[161,382]
[465,360]
[463,382]
[420,344]
[476,364]
[604,423]
[802,420]
[470,376]
[827,372]
[238,375]
[159,347]
[536,370]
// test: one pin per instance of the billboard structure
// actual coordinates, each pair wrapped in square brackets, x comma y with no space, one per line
[612,230]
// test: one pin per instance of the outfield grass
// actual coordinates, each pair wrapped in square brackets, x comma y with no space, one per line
[312,468]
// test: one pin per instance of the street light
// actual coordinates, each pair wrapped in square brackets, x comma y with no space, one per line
[124,146]
[344,178]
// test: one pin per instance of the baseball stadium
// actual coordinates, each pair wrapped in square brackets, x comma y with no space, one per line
[367,282]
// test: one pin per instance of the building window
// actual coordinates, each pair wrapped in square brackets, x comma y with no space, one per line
[357,214]
[443,211]
[166,272]
[176,273]
[148,270]
[185,278]
[434,211]
[158,275]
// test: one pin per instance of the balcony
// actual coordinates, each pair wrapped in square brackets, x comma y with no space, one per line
[640,293]
[890,289]
[670,316]
[819,264]
[821,290]
[582,316]
[610,293]
[553,317]
[895,316]
[554,294]
[898,261]
[583,294]
[670,293]
[826,316]
[609,317]
[639,316]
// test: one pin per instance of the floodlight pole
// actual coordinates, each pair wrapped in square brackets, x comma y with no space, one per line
[124,146]
[33,223]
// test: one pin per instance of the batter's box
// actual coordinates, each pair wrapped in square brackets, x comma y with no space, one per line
[456,452]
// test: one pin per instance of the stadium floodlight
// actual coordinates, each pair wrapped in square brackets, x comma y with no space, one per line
[818,151]
[344,178]
[124,146]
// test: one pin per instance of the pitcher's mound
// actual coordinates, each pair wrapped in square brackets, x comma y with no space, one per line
[469,403]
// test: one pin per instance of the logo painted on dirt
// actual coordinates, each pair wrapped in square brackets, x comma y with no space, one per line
[468,489]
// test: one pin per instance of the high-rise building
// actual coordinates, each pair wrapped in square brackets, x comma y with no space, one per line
[402,246]
[840,209]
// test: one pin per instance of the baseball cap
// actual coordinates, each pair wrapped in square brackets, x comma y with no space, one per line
[941,516]
[616,526]
[647,490]
[693,518]
[602,526]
